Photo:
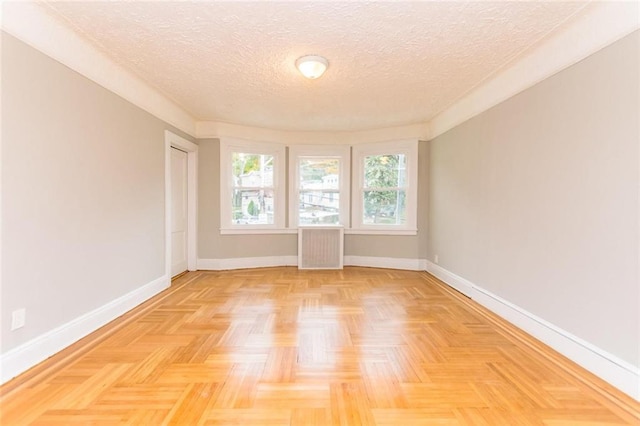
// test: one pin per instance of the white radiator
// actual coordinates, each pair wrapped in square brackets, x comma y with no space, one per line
[320,247]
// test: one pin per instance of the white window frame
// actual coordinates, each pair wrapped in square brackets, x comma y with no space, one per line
[227,147]
[340,152]
[410,149]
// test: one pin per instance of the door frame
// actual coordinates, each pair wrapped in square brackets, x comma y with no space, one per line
[171,140]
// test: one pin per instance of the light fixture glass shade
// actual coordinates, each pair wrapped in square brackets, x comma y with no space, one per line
[312,66]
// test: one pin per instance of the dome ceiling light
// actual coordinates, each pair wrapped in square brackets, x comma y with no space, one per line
[312,66]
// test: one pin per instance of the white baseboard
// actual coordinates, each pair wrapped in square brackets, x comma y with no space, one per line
[610,368]
[27,355]
[269,261]
[386,262]
[463,286]
[246,262]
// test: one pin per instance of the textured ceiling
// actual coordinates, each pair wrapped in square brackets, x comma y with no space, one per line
[390,63]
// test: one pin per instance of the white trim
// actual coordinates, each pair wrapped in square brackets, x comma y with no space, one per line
[271,261]
[227,147]
[339,152]
[601,24]
[407,147]
[381,232]
[36,350]
[208,264]
[386,262]
[246,263]
[463,286]
[173,140]
[3,316]
[617,372]
[32,23]
[257,231]
[218,129]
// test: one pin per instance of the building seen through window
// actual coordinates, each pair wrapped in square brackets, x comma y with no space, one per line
[252,196]
[319,191]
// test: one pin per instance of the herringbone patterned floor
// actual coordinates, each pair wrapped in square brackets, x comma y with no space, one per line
[287,347]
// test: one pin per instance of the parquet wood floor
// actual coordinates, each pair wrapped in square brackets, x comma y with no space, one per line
[280,346]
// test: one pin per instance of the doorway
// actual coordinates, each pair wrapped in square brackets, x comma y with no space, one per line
[181,159]
[179,236]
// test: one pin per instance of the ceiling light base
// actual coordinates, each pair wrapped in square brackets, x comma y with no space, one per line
[312,66]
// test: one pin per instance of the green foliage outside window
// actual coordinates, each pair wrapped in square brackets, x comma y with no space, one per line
[384,181]
[253,208]
[245,163]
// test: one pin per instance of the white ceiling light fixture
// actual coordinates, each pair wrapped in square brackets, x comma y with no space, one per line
[312,66]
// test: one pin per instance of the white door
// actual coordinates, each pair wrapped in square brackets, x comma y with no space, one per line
[178,211]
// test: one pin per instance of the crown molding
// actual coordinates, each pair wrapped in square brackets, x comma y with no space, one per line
[601,24]
[34,25]
[217,129]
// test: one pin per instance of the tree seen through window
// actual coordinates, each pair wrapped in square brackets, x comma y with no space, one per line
[385,189]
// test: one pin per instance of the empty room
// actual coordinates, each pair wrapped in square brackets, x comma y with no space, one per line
[320,213]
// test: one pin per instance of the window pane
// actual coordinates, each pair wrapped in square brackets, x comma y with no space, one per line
[384,208]
[385,171]
[319,173]
[252,206]
[318,207]
[252,170]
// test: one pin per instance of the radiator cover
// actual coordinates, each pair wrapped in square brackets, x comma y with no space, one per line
[320,247]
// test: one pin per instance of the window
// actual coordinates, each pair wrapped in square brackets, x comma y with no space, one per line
[319,177]
[252,186]
[384,192]
[381,193]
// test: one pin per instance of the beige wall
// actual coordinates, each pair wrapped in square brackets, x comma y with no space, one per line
[212,245]
[82,194]
[536,199]
[394,246]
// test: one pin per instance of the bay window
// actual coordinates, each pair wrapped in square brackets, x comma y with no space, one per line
[366,188]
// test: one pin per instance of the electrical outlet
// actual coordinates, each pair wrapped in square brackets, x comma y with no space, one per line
[436,259]
[18,318]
